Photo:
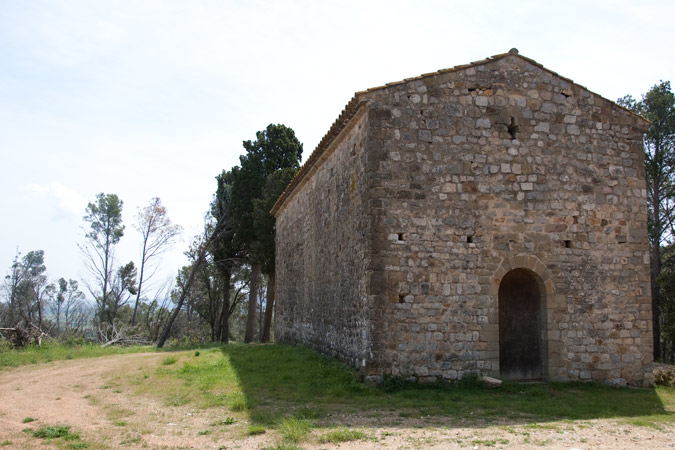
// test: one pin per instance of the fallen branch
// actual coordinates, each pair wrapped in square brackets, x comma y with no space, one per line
[21,336]
[111,342]
[42,333]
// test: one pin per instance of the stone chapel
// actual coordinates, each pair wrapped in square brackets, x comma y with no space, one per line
[486,219]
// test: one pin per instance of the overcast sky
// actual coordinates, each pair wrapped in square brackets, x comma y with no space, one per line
[153,98]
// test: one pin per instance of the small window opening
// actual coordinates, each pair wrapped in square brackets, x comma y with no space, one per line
[568,244]
[400,236]
[401,298]
[469,239]
[575,219]
[513,128]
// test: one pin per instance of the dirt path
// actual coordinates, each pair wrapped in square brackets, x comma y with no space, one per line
[83,394]
[95,397]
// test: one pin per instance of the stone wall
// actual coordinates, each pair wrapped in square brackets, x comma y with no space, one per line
[393,241]
[321,254]
[496,166]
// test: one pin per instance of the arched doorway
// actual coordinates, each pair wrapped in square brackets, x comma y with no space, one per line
[520,343]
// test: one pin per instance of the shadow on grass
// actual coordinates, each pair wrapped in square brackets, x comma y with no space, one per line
[280,381]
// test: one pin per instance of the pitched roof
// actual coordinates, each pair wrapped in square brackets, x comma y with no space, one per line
[357,102]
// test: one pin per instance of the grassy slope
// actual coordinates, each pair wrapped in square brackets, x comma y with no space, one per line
[55,352]
[294,389]
[271,382]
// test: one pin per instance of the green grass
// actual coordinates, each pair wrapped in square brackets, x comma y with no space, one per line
[57,351]
[59,435]
[28,419]
[294,430]
[178,398]
[285,446]
[255,430]
[169,360]
[56,431]
[34,354]
[269,383]
[341,435]
[228,421]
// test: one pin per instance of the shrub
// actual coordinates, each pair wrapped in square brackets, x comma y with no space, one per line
[664,375]
[169,360]
[5,345]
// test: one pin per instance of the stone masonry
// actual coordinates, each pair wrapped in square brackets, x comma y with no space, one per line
[489,218]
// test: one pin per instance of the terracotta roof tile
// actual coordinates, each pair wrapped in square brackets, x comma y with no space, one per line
[340,123]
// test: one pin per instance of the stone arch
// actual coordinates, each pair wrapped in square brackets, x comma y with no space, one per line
[551,361]
[530,262]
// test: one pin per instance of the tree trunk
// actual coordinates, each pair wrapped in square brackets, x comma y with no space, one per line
[656,316]
[260,312]
[38,303]
[58,320]
[140,286]
[252,303]
[225,308]
[186,287]
[656,266]
[179,305]
[269,308]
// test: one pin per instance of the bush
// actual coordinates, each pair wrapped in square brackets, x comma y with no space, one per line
[74,341]
[664,375]
[5,345]
[169,360]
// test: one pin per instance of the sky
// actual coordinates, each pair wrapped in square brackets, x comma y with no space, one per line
[150,98]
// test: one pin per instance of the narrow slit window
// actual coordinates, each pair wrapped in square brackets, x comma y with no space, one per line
[568,244]
[513,128]
[400,236]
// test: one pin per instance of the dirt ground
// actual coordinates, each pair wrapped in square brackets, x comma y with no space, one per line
[85,395]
